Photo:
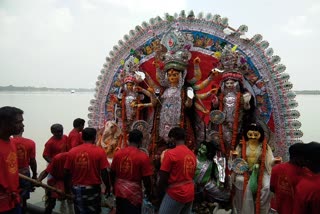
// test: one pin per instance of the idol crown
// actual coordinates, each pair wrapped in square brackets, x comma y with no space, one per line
[129,78]
[178,55]
[230,59]
[231,75]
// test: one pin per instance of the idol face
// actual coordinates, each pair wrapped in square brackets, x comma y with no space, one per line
[254,135]
[229,84]
[130,86]
[173,77]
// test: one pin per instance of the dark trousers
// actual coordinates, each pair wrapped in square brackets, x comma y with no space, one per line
[16,210]
[123,206]
[50,202]
[87,201]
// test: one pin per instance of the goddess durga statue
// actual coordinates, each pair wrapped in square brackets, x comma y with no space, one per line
[199,74]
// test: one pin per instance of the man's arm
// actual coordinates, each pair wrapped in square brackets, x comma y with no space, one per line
[273,179]
[47,158]
[67,181]
[33,166]
[105,179]
[147,182]
[163,182]
[42,175]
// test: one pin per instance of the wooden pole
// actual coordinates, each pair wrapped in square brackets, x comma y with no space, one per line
[44,185]
[106,204]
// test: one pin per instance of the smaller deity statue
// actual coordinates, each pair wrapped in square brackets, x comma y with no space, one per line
[233,101]
[110,138]
[204,166]
[252,182]
[130,100]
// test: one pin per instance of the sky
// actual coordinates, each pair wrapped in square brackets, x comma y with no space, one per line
[64,43]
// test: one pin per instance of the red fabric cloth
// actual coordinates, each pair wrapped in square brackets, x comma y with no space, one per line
[284,178]
[55,146]
[9,178]
[129,190]
[74,139]
[180,163]
[307,198]
[130,164]
[56,169]
[26,150]
[85,163]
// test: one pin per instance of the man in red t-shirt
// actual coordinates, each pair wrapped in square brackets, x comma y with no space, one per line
[56,170]
[74,138]
[56,144]
[130,166]
[26,153]
[86,164]
[307,197]
[11,123]
[285,177]
[176,175]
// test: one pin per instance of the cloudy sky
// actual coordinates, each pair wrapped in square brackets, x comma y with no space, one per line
[63,43]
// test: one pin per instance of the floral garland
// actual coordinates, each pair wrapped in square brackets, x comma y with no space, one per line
[137,108]
[123,117]
[155,131]
[235,123]
[183,94]
[261,172]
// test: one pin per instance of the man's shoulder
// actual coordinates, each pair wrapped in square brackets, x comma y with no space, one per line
[28,141]
[89,148]
[61,155]
[73,132]
[279,167]
[309,185]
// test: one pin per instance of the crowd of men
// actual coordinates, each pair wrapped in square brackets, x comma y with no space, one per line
[77,167]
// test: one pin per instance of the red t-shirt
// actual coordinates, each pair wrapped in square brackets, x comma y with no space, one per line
[56,166]
[26,150]
[9,178]
[284,178]
[56,169]
[307,199]
[180,162]
[85,163]
[131,164]
[74,139]
[55,146]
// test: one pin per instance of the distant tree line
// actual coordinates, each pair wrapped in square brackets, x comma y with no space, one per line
[308,92]
[29,88]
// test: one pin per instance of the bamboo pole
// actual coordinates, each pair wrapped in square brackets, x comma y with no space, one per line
[45,186]
[106,204]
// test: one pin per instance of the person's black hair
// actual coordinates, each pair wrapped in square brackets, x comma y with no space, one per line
[89,134]
[135,136]
[9,113]
[177,134]
[253,127]
[297,150]
[297,153]
[312,155]
[56,128]
[79,122]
